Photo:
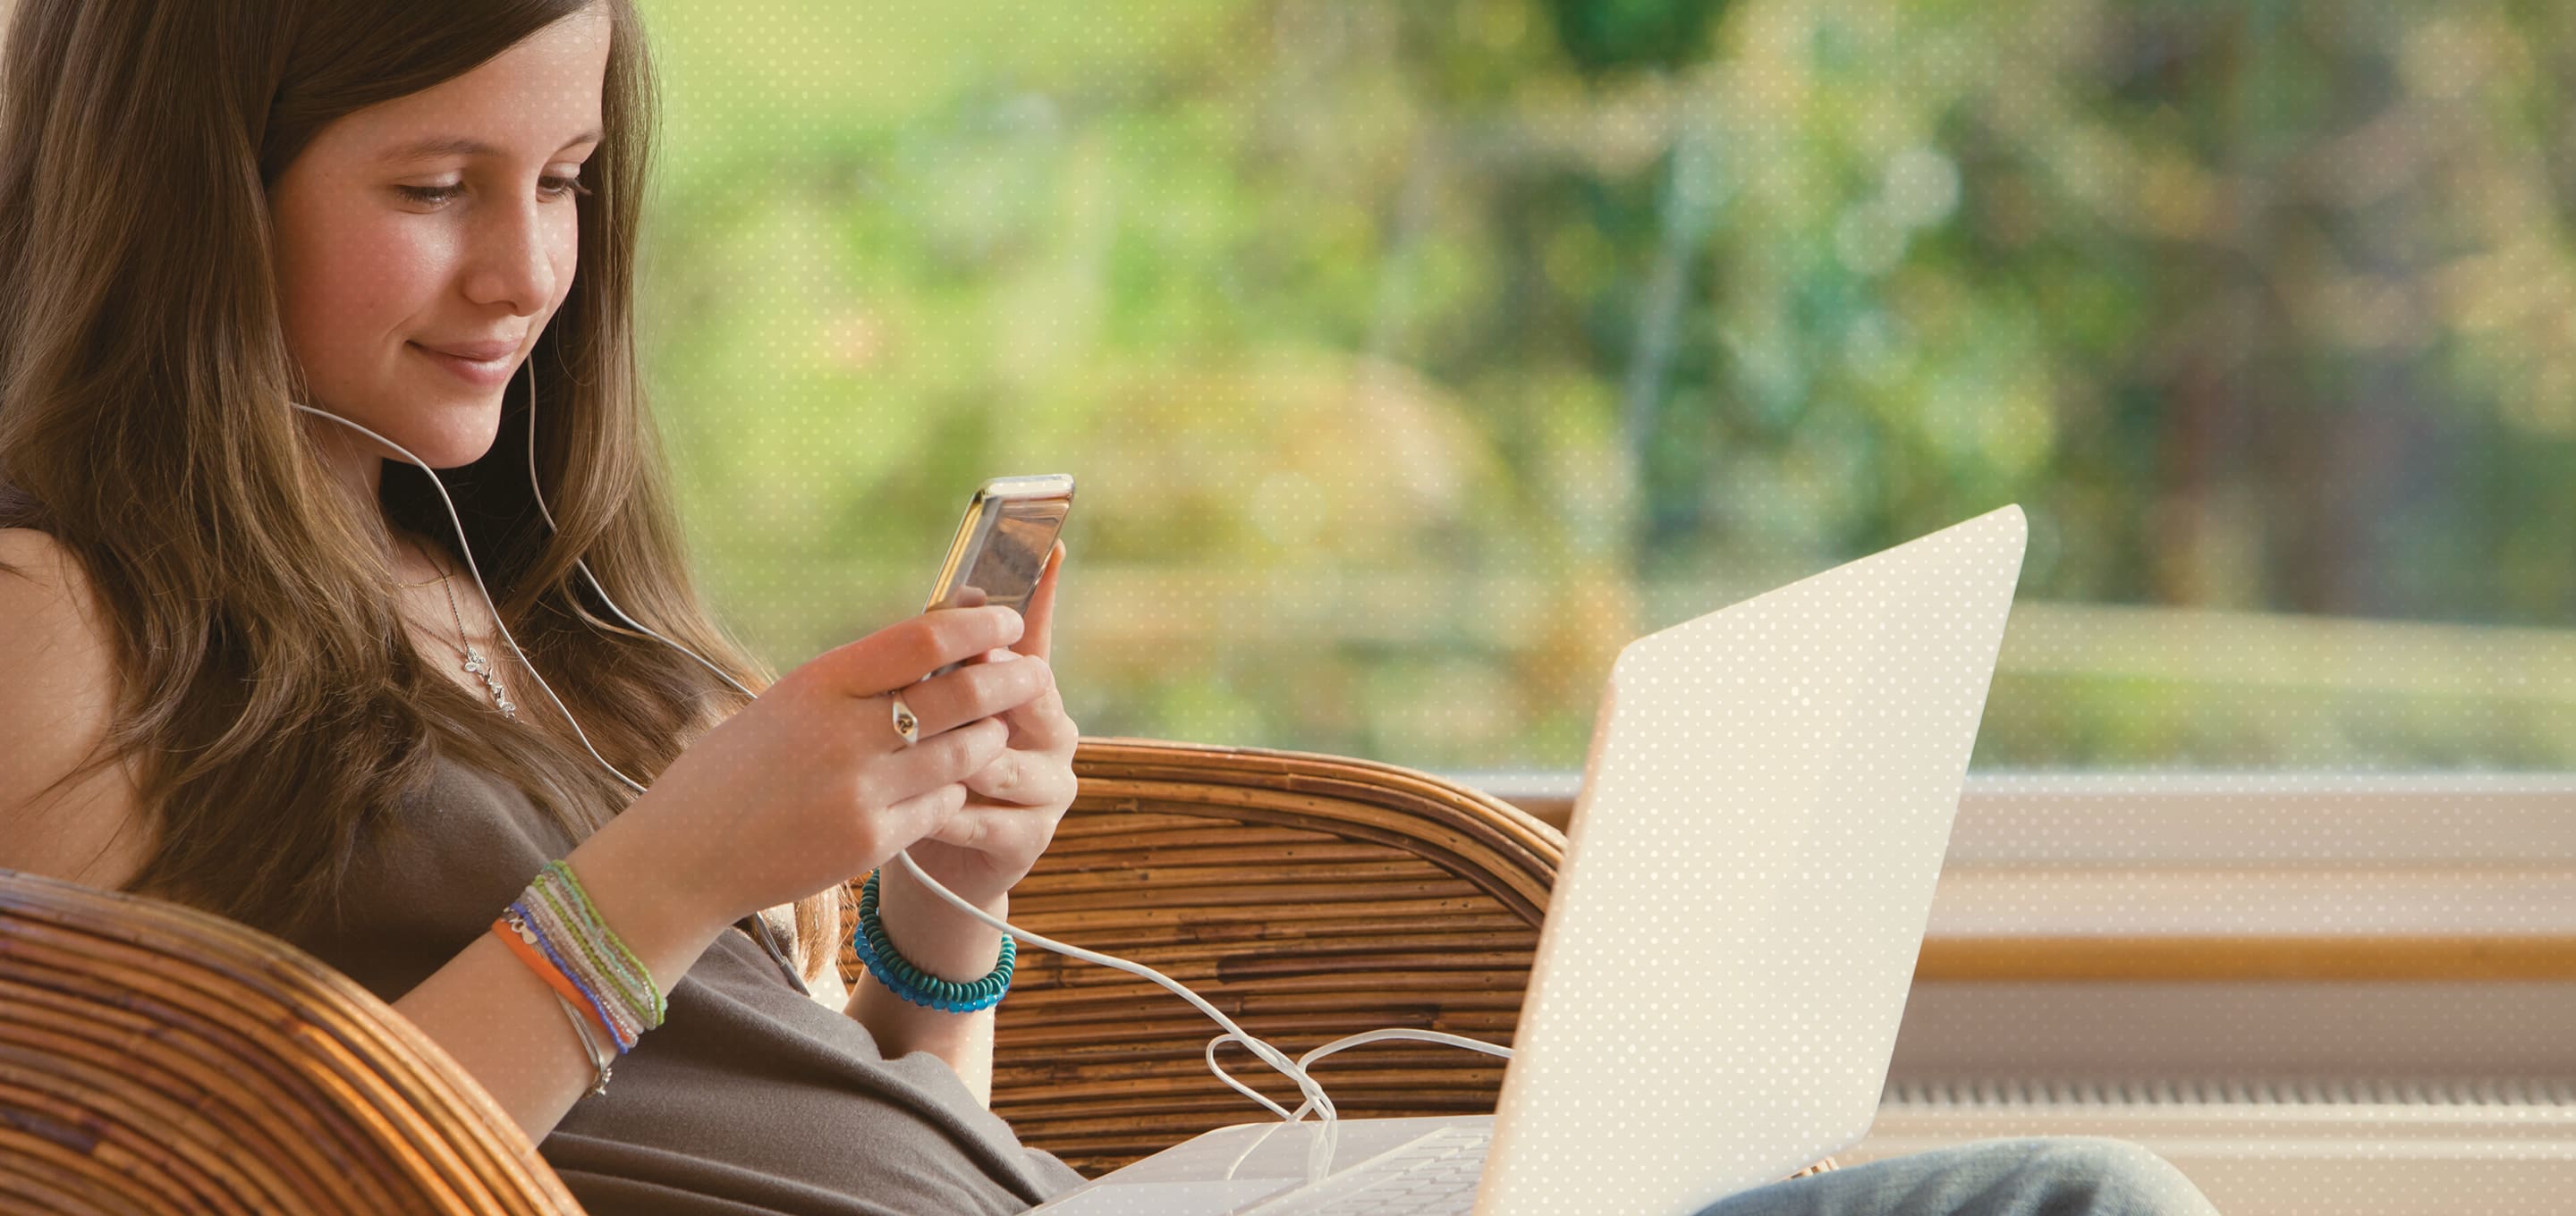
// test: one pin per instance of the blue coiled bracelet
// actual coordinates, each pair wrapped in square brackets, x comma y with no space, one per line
[912,983]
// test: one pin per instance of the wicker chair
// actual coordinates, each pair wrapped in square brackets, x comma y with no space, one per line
[154,1058]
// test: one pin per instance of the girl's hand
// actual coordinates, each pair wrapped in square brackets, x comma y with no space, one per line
[1012,804]
[809,783]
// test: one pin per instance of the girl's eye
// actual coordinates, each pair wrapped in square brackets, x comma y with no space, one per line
[556,187]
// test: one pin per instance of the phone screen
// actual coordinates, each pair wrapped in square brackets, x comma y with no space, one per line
[1008,555]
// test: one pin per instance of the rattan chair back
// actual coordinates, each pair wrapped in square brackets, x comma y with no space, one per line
[1309,896]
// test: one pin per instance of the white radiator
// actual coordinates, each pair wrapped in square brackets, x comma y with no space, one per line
[2281,1146]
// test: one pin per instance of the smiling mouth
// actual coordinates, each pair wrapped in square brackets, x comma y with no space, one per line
[483,372]
[468,358]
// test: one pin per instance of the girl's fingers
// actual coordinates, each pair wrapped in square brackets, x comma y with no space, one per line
[950,756]
[895,658]
[1037,637]
[972,692]
[917,814]
[1040,724]
[1025,778]
[995,830]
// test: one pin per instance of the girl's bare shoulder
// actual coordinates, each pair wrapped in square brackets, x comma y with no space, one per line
[54,713]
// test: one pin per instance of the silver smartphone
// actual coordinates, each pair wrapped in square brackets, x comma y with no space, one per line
[1002,543]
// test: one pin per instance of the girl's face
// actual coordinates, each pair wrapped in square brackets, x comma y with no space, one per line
[440,220]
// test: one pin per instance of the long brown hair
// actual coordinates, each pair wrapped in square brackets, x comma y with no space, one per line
[270,702]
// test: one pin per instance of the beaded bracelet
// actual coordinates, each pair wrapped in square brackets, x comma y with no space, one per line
[554,928]
[912,983]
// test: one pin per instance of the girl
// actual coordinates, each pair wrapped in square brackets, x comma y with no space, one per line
[258,256]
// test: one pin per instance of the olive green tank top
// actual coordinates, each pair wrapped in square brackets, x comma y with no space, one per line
[750,1097]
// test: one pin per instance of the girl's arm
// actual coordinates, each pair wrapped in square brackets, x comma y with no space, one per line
[946,943]
[500,1021]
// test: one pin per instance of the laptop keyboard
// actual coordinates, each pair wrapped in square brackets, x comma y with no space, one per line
[1433,1176]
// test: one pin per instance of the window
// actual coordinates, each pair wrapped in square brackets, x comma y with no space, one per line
[1413,357]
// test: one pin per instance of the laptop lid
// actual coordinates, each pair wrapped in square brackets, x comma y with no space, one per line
[1727,951]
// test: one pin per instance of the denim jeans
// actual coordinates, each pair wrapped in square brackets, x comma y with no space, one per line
[2030,1176]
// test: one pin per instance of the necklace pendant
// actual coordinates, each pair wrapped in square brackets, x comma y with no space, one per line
[476,664]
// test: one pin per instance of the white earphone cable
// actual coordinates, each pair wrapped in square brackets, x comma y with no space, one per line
[1295,1070]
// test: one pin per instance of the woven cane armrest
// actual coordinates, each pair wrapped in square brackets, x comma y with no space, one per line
[155,1058]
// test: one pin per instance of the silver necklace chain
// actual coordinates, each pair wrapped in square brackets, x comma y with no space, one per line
[475,664]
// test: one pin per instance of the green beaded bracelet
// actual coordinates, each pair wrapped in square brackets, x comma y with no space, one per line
[912,983]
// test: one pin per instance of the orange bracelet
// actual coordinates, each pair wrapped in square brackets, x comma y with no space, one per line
[547,971]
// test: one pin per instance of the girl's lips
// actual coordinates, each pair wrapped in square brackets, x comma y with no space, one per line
[484,373]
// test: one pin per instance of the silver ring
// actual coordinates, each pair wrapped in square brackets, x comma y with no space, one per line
[906,727]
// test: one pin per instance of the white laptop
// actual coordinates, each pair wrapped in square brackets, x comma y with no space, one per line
[1729,944]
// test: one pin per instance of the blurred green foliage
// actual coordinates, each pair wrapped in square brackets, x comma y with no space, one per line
[1412,357]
